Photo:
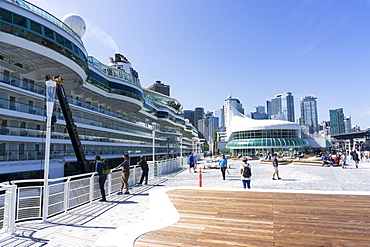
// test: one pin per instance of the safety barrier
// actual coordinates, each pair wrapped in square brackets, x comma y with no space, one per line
[20,203]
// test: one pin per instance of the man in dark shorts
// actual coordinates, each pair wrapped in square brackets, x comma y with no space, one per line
[275,163]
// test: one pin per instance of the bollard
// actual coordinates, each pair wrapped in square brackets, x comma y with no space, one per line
[200,177]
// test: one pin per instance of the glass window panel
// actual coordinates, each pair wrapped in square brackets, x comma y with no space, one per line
[258,142]
[68,44]
[19,20]
[36,27]
[268,142]
[258,134]
[49,33]
[48,43]
[60,39]
[6,27]
[5,15]
[34,37]
[19,32]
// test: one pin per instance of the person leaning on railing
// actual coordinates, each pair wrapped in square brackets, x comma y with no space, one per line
[125,165]
[102,177]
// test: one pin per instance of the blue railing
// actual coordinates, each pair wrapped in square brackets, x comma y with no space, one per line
[50,17]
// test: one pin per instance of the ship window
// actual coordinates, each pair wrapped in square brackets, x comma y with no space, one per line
[35,27]
[68,44]
[19,20]
[34,37]
[60,39]
[6,27]
[19,32]
[48,43]
[49,33]
[5,15]
[77,50]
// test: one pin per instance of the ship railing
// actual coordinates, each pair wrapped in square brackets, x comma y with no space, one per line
[22,200]
[116,73]
[48,16]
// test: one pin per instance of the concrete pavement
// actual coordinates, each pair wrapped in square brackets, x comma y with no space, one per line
[123,218]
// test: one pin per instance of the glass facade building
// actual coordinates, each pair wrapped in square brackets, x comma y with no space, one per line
[281,107]
[309,113]
[247,136]
[337,125]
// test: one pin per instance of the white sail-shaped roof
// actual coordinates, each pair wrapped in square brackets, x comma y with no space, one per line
[240,122]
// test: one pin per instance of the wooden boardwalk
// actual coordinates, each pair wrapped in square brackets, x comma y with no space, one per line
[244,218]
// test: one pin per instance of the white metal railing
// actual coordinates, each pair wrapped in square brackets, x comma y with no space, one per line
[19,203]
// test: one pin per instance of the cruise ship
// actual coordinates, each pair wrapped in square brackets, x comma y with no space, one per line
[113,114]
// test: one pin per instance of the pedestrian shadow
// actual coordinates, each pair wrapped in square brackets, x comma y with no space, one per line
[141,194]
[122,202]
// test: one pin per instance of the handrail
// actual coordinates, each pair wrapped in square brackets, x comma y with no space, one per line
[50,17]
[25,202]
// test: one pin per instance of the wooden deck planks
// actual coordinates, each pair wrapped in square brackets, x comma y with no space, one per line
[224,218]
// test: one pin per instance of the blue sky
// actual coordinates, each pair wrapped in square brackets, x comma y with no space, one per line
[251,49]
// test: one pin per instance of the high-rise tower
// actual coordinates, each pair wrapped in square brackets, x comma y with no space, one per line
[309,113]
[231,104]
[282,107]
[198,114]
[336,121]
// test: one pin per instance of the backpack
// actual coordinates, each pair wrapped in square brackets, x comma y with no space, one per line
[247,172]
[105,170]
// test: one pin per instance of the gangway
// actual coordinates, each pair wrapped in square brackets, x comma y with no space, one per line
[71,127]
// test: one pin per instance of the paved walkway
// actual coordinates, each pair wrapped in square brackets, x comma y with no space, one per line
[123,218]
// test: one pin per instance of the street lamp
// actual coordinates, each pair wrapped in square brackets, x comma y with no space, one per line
[50,96]
[153,133]
[181,146]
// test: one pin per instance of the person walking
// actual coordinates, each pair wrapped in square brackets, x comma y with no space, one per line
[355,158]
[102,177]
[275,163]
[145,170]
[246,173]
[125,165]
[223,165]
[192,161]
[343,158]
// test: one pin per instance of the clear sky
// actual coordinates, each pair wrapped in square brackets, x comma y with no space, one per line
[251,49]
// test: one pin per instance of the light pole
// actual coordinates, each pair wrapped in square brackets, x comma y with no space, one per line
[153,133]
[181,146]
[50,96]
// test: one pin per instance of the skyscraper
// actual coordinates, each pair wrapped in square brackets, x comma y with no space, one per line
[282,107]
[269,108]
[198,114]
[220,115]
[260,109]
[260,113]
[230,104]
[347,124]
[309,113]
[287,106]
[207,126]
[336,121]
[189,114]
[159,87]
